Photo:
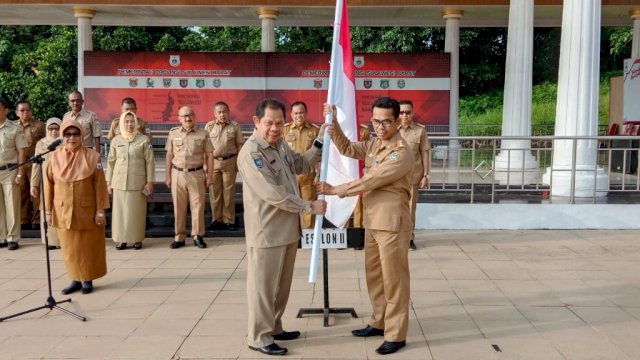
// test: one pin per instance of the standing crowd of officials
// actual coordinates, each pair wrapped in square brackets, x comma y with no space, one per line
[278,163]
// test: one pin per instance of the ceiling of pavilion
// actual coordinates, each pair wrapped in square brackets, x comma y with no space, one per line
[291,13]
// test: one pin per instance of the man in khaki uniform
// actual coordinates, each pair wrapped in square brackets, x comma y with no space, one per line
[416,137]
[299,135]
[226,137]
[272,205]
[87,119]
[188,150]
[386,189]
[33,130]
[12,145]
[129,105]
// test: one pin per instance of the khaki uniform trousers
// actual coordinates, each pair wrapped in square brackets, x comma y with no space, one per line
[188,190]
[9,207]
[269,276]
[387,271]
[29,210]
[307,192]
[222,193]
[415,192]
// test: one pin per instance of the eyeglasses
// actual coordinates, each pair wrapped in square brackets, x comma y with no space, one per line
[385,123]
[405,112]
[71,134]
[53,129]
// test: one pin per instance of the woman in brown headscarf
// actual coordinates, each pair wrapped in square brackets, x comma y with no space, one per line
[130,177]
[75,198]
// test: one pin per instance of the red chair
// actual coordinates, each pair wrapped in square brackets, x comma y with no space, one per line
[613,130]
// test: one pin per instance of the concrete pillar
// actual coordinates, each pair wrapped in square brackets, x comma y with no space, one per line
[577,105]
[85,39]
[452,46]
[635,45]
[515,166]
[268,18]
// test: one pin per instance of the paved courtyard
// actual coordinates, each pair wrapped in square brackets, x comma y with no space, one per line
[475,295]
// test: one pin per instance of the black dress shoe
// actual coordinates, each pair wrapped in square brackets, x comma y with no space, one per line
[286,335]
[87,287]
[12,245]
[73,287]
[176,244]
[271,349]
[389,347]
[368,331]
[137,246]
[230,227]
[217,225]
[121,246]
[197,241]
[412,246]
[52,247]
[3,244]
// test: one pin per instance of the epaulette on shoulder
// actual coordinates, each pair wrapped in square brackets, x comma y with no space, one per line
[234,123]
[175,128]
[364,126]
[315,125]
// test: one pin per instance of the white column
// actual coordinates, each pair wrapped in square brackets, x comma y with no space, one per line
[85,39]
[452,46]
[577,105]
[268,18]
[515,166]
[635,45]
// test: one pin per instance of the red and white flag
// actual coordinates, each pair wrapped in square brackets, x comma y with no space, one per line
[340,168]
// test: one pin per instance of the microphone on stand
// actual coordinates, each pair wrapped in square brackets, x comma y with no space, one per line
[54,144]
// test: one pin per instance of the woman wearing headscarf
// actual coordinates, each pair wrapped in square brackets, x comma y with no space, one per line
[53,132]
[130,174]
[75,199]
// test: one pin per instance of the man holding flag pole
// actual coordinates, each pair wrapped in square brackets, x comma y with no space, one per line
[386,189]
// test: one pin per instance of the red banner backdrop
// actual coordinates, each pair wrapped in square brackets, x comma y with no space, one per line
[163,82]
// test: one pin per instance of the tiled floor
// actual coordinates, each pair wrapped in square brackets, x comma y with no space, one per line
[475,295]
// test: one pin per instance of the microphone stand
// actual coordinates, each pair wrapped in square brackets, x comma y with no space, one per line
[51,302]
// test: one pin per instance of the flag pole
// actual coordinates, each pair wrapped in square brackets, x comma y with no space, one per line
[317,230]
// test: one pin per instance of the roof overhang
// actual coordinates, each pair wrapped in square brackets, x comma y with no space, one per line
[477,13]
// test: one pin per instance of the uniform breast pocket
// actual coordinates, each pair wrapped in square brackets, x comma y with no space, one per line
[7,141]
[86,127]
[198,143]
[178,145]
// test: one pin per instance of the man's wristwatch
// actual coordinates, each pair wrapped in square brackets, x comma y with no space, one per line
[317,143]
[308,207]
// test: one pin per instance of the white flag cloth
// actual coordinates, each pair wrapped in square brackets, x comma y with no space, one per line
[342,169]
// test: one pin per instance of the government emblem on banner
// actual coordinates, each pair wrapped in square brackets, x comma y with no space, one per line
[384,83]
[133,82]
[166,82]
[184,83]
[368,83]
[174,60]
[150,83]
[217,83]
[199,83]
[358,61]
[401,84]
[317,83]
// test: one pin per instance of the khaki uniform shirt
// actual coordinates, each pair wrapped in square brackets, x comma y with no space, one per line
[300,139]
[41,148]
[90,126]
[11,139]
[189,148]
[114,130]
[271,199]
[416,137]
[224,137]
[386,184]
[33,131]
[74,204]
[130,164]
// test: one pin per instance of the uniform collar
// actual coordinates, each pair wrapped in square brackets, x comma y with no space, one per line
[305,125]
[75,115]
[30,122]
[393,142]
[185,130]
[223,123]
[262,143]
[410,125]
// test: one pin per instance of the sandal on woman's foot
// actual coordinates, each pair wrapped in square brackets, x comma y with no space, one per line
[121,246]
[137,246]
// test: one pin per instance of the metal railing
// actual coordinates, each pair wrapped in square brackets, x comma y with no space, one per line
[470,168]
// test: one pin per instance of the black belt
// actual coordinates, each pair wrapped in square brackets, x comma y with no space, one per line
[222,158]
[7,167]
[187,170]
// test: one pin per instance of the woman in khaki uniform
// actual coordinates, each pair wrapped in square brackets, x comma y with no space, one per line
[130,174]
[75,198]
[53,132]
